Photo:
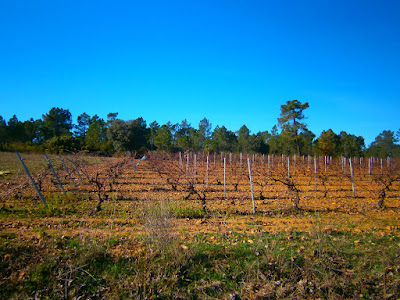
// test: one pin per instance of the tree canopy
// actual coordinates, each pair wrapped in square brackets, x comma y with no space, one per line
[56,132]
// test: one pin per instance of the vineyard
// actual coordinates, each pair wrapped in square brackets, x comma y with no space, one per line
[278,210]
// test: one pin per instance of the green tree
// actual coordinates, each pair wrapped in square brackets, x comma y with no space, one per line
[15,130]
[96,135]
[153,127]
[223,140]
[274,141]
[263,137]
[351,145]
[384,145]
[205,133]
[32,129]
[111,117]
[328,143]
[118,135]
[163,139]
[138,134]
[3,132]
[128,135]
[57,122]
[83,124]
[243,139]
[60,144]
[306,139]
[290,122]
[183,136]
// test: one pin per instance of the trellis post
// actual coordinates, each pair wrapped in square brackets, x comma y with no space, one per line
[251,187]
[33,181]
[55,174]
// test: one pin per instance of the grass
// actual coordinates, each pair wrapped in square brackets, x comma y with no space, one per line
[284,265]
[162,262]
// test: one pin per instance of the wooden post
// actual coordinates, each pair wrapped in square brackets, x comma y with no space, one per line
[269,166]
[33,181]
[251,187]
[288,166]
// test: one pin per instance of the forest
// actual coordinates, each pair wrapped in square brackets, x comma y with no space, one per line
[56,132]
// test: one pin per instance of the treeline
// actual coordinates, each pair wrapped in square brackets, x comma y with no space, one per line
[56,132]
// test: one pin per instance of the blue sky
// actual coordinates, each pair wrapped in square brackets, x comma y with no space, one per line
[233,62]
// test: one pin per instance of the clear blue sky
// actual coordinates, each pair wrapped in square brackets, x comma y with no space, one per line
[233,62]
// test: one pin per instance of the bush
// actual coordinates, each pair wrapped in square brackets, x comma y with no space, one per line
[60,144]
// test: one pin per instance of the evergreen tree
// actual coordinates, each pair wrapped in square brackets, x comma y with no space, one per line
[291,115]
[96,135]
[57,122]
[384,145]
[83,124]
[223,140]
[328,144]
[351,145]
[163,139]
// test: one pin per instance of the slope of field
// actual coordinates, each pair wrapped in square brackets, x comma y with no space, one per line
[171,226]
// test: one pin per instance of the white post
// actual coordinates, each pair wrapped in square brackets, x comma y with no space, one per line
[194,168]
[352,178]
[369,168]
[224,177]
[207,174]
[315,172]
[288,166]
[251,187]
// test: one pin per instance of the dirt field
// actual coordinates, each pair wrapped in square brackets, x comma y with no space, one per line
[121,202]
